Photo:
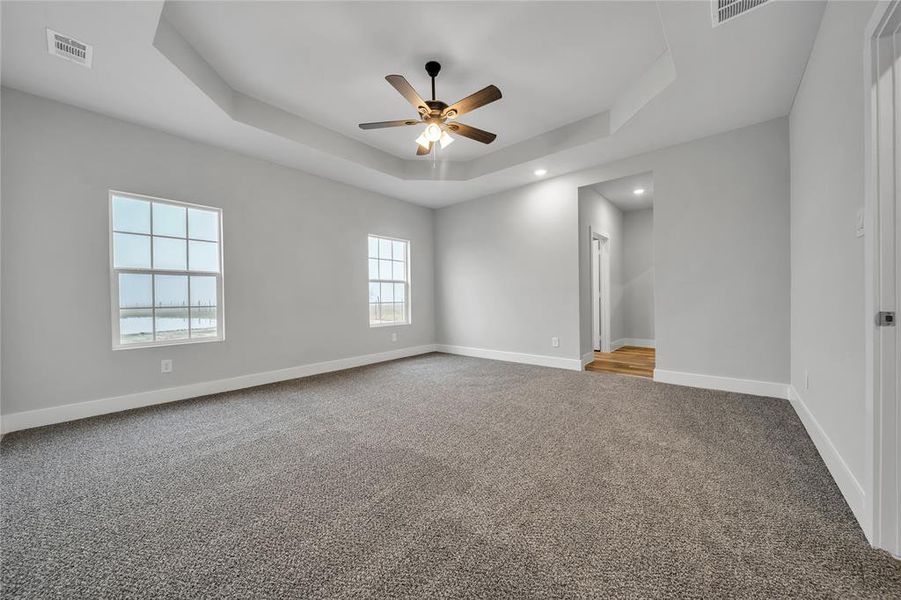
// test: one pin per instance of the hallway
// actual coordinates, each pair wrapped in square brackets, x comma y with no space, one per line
[628,360]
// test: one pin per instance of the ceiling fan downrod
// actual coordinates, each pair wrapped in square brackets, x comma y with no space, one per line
[432,68]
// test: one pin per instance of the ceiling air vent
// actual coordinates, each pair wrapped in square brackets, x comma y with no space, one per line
[69,48]
[724,10]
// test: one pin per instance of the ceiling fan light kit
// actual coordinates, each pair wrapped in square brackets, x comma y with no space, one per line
[435,114]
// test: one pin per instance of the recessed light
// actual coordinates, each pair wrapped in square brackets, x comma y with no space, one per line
[540,172]
[638,192]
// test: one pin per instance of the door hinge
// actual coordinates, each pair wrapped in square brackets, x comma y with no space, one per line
[885,318]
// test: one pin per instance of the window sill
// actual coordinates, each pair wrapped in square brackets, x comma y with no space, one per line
[380,325]
[117,347]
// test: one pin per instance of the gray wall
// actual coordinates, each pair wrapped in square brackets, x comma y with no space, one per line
[638,274]
[827,259]
[721,254]
[506,275]
[295,258]
[599,215]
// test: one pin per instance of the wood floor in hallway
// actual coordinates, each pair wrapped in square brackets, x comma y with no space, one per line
[628,360]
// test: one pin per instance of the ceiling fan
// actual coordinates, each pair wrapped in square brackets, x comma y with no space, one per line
[437,116]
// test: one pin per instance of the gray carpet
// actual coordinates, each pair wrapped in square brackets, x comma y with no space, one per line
[434,477]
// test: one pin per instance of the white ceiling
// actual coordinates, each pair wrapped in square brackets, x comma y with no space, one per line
[327,62]
[290,94]
[621,192]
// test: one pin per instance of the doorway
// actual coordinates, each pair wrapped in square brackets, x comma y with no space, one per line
[611,356]
[616,263]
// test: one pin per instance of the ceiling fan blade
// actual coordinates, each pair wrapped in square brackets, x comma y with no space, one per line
[406,90]
[420,151]
[479,135]
[481,98]
[383,124]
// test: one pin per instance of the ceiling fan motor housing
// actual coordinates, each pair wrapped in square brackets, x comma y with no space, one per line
[437,107]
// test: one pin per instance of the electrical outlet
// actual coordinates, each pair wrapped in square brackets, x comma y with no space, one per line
[806,380]
[555,342]
[166,365]
[393,337]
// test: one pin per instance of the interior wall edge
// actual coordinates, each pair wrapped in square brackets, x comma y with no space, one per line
[829,373]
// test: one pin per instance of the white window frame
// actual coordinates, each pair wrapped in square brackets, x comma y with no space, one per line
[408,284]
[114,275]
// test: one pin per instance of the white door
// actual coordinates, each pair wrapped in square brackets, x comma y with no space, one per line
[596,293]
[892,345]
[886,54]
[600,293]
[890,293]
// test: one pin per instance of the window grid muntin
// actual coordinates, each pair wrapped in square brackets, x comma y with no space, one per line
[405,304]
[152,271]
[189,306]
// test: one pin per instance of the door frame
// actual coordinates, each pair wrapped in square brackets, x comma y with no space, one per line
[600,290]
[882,277]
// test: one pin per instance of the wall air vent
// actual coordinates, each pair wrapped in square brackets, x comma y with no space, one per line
[69,48]
[724,10]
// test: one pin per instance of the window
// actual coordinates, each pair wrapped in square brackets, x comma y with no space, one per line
[166,272]
[389,281]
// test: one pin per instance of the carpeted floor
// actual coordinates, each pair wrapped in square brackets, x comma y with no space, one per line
[434,477]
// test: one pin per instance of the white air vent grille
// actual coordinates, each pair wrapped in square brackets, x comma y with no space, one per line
[69,48]
[723,10]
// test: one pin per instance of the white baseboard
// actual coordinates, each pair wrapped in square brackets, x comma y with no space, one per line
[587,358]
[573,364]
[850,488]
[641,343]
[70,412]
[726,384]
